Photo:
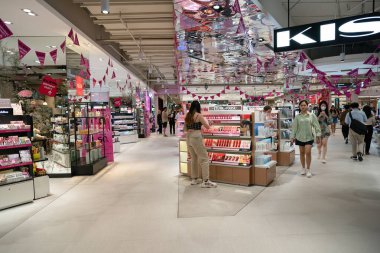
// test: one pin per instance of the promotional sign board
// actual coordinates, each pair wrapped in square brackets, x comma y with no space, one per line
[327,33]
[48,86]
[79,85]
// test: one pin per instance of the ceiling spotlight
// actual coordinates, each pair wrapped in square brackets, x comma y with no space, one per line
[26,10]
[261,39]
[8,22]
[100,59]
[32,14]
[105,6]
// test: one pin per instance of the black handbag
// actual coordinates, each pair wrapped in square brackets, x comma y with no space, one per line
[357,126]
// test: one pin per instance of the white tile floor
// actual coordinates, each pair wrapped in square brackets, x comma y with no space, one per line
[133,207]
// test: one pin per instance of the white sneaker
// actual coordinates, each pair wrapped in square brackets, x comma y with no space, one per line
[303,172]
[324,161]
[195,181]
[209,184]
[308,174]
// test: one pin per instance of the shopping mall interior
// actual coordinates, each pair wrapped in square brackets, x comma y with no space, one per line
[189,126]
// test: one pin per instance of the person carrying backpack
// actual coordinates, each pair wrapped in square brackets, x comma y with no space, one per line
[356,121]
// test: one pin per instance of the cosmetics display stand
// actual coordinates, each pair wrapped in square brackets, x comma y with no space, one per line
[266,145]
[124,126]
[140,122]
[16,168]
[88,156]
[231,148]
[61,144]
[286,154]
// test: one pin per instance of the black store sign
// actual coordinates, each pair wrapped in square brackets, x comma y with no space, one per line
[327,33]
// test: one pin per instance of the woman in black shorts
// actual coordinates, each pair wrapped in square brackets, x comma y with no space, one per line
[302,134]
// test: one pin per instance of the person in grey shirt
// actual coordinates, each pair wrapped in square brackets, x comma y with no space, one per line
[356,139]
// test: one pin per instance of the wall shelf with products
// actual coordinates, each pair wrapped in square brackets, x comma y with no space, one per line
[286,154]
[16,164]
[88,154]
[124,126]
[62,144]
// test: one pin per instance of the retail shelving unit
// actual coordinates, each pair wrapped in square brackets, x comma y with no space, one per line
[89,150]
[286,154]
[266,144]
[140,122]
[61,150]
[16,168]
[124,126]
[233,150]
[180,123]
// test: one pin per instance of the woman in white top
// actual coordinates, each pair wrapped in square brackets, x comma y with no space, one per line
[371,121]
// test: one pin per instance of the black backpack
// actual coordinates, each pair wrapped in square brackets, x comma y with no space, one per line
[357,126]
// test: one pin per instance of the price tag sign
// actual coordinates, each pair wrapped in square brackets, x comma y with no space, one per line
[226,108]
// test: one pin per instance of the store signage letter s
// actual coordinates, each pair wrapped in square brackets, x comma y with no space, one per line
[333,32]
[360,27]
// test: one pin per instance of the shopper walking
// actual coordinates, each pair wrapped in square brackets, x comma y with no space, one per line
[345,127]
[159,121]
[355,119]
[305,124]
[371,122]
[172,119]
[324,124]
[334,117]
[165,120]
[199,157]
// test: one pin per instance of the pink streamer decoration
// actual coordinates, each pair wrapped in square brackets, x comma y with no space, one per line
[53,55]
[41,57]
[63,46]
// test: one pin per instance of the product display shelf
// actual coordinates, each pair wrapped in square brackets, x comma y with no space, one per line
[265,146]
[16,169]
[140,122]
[286,151]
[88,155]
[124,126]
[229,145]
[180,123]
[60,165]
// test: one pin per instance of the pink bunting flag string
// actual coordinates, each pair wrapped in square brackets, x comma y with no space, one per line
[23,49]
[236,6]
[241,27]
[71,34]
[113,75]
[302,57]
[76,40]
[354,73]
[4,30]
[63,46]
[41,57]
[53,55]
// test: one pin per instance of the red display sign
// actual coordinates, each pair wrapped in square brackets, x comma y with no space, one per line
[48,86]
[117,102]
[79,85]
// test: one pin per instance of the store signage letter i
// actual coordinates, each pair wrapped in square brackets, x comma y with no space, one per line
[333,32]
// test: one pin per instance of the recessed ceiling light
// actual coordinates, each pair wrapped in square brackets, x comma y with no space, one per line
[32,14]
[100,59]
[26,10]
[37,61]
[8,22]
